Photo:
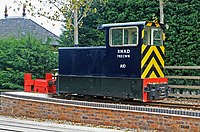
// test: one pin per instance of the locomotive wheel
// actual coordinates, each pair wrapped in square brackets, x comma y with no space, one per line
[117,99]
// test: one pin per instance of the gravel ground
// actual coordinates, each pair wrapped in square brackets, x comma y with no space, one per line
[182,101]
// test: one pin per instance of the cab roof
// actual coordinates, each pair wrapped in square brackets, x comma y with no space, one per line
[122,24]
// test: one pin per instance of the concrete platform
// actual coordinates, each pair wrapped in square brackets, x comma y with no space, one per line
[21,125]
[21,93]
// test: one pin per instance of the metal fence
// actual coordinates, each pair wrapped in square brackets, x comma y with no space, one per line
[192,95]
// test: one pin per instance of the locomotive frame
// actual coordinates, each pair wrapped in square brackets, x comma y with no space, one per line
[129,66]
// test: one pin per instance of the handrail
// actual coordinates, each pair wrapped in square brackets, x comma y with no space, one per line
[185,87]
[183,67]
[184,77]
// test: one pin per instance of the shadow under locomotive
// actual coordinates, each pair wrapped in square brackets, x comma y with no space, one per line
[129,66]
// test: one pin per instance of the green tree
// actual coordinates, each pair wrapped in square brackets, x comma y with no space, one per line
[69,11]
[24,55]
[88,33]
[113,11]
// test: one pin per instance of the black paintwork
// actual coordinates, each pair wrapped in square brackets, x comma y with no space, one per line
[101,86]
[89,61]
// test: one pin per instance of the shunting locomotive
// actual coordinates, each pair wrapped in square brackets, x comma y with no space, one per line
[130,65]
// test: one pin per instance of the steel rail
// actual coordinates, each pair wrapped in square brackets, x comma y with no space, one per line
[185,96]
[138,103]
[175,105]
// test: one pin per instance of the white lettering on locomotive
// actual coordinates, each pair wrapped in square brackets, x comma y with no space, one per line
[123,56]
[123,66]
[123,51]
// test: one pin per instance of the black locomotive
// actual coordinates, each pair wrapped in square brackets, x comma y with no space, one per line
[129,66]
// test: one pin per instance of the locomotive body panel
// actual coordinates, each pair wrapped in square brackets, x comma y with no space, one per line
[124,60]
[101,86]
[85,61]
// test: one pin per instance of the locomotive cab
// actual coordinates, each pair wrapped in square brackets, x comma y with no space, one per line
[154,83]
[129,66]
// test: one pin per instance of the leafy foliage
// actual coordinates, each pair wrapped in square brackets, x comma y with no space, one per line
[111,12]
[24,55]
[183,38]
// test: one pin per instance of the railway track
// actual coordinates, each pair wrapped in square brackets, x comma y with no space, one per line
[174,105]
[137,103]
[192,110]
[185,96]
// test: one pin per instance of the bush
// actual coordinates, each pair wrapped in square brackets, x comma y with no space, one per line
[24,55]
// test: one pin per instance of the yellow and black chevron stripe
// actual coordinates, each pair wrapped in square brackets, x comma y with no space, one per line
[156,24]
[152,63]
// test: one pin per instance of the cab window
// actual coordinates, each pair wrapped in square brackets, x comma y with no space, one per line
[157,37]
[153,36]
[123,36]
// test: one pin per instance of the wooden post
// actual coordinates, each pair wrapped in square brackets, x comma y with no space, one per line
[161,11]
[75,27]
